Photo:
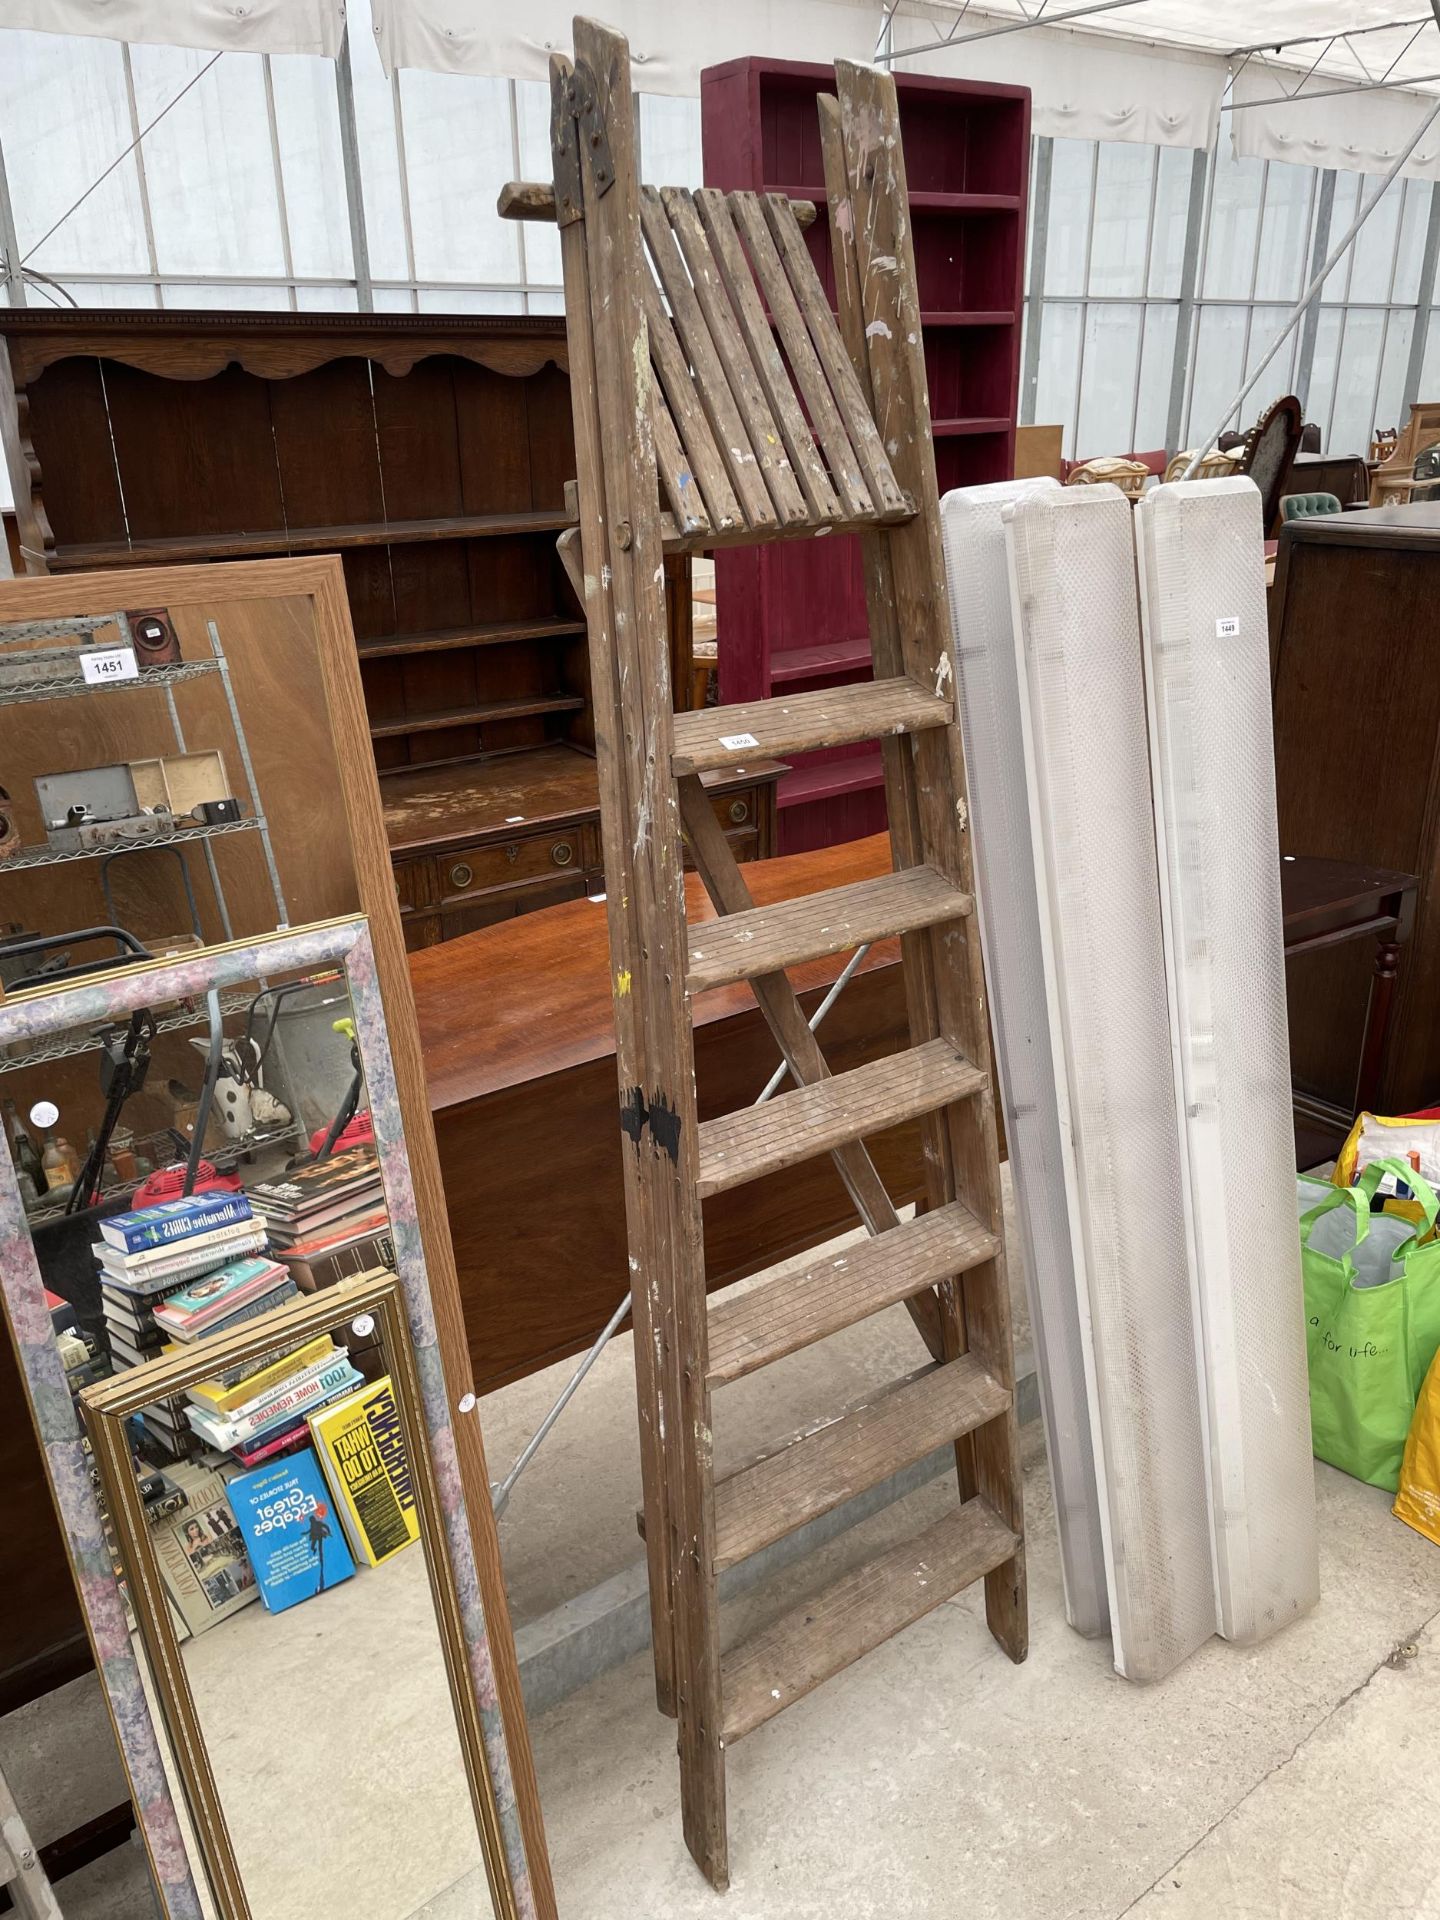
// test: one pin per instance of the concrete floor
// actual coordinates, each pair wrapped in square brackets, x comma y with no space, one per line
[933,1778]
[1293,1781]
[1290,1782]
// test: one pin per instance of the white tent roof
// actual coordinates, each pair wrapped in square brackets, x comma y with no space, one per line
[250,26]
[1379,31]
[1149,70]
[1161,71]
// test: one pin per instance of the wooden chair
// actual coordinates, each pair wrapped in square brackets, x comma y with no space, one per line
[1391,483]
[1269,453]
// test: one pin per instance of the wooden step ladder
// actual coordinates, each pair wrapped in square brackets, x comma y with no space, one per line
[717,402]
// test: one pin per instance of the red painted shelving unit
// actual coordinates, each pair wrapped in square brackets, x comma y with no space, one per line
[792,618]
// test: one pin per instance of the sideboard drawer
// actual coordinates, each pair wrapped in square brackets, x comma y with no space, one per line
[736,810]
[541,856]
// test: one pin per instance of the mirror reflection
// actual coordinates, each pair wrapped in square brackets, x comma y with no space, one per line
[311,1648]
[213,1236]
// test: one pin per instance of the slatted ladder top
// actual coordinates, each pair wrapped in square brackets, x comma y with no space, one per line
[718,400]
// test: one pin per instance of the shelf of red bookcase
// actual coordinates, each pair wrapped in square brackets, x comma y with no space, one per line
[788,664]
[965,202]
[860,773]
[951,429]
[920,202]
[976,317]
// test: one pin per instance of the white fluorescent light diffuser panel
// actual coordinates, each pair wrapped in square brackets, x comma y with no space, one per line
[1072,561]
[1009,911]
[1207,662]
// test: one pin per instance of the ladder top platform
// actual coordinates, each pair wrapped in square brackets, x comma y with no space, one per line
[762,429]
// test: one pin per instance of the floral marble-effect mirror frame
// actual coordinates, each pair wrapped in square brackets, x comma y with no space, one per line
[29,1019]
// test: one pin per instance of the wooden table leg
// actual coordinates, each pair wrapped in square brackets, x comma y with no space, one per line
[1377,1022]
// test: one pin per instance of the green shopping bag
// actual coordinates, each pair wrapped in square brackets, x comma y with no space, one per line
[1372,1311]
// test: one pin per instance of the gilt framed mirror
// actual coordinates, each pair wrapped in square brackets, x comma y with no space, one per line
[268,1633]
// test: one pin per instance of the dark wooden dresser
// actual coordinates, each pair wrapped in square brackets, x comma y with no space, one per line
[1354,643]
[432,454]
[473,846]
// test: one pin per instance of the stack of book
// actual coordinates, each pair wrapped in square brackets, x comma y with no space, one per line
[327,1219]
[258,1412]
[146,1258]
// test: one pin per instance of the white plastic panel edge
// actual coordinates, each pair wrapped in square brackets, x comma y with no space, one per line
[1202,593]
[1008,908]
[1087,762]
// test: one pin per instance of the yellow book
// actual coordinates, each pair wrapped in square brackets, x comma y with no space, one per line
[223,1394]
[361,1447]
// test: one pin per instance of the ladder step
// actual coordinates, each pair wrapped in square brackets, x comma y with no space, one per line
[803,1124]
[777,1316]
[761,1677]
[741,946]
[791,723]
[828,1466]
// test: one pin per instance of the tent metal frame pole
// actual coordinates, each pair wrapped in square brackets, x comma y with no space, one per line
[277,167]
[354,187]
[1424,301]
[142,181]
[1312,292]
[1319,246]
[407,217]
[1309,39]
[1133,437]
[1075,452]
[11,278]
[1012,26]
[1330,93]
[1185,318]
[1039,243]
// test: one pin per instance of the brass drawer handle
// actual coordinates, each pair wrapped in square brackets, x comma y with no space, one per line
[739,811]
[461,875]
[562,853]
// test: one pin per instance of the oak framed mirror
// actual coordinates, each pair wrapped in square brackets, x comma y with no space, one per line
[385,1676]
[308,769]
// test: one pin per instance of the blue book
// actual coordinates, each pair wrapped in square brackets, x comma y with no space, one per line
[296,1542]
[173,1221]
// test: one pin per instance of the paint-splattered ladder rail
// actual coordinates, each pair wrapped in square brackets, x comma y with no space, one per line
[717,401]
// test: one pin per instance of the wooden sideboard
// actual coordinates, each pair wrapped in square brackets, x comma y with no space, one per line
[1357,774]
[1346,475]
[431,453]
[470,851]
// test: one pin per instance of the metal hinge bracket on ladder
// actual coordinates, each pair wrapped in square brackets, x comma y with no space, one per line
[717,402]
[576,121]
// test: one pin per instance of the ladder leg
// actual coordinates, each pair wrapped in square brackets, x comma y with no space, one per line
[21,1873]
[625,609]
[621,905]
[874,170]
[901,799]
